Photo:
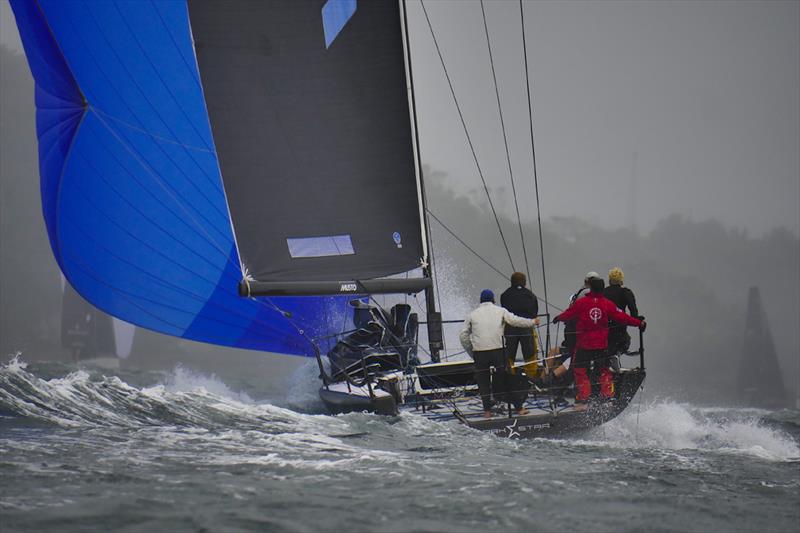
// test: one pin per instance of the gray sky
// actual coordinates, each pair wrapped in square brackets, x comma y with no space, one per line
[698,103]
[705,96]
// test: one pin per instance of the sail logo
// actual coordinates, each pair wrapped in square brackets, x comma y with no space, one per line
[595,314]
[348,287]
[335,15]
[398,240]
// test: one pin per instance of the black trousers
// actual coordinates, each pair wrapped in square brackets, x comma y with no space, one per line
[495,384]
[519,337]
[619,340]
[585,358]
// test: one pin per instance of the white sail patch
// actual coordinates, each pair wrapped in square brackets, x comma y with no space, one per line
[326,246]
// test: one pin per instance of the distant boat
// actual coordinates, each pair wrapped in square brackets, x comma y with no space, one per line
[90,336]
[760,382]
[244,174]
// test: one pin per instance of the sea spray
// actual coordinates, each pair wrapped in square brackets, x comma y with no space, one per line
[457,297]
[183,379]
[669,425]
[303,393]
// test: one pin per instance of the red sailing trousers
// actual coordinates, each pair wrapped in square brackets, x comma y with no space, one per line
[583,387]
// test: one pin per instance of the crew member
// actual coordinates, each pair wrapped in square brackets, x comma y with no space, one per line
[560,358]
[570,337]
[557,367]
[593,313]
[619,341]
[522,302]
[482,338]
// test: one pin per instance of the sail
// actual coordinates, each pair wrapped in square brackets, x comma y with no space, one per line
[309,109]
[134,179]
[760,378]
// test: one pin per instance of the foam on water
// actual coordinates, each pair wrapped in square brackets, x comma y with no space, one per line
[303,394]
[183,379]
[668,425]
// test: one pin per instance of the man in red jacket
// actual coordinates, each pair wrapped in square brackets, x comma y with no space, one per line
[593,313]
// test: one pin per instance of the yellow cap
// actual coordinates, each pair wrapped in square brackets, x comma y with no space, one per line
[615,276]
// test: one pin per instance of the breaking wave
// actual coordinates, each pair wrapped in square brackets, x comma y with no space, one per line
[669,425]
[188,411]
[84,398]
[184,398]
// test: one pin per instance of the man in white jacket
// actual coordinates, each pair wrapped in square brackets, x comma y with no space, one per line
[482,338]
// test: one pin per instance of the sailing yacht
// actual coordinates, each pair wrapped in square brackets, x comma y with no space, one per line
[760,381]
[249,174]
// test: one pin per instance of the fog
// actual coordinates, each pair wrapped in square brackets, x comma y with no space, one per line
[667,143]
[641,109]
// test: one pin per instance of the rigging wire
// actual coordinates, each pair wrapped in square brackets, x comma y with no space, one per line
[467,246]
[479,256]
[480,173]
[535,174]
[466,132]
[638,410]
[505,141]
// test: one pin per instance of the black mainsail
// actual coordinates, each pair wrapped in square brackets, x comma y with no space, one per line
[309,107]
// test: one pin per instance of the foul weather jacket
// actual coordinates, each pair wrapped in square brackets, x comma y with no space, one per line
[623,297]
[593,312]
[483,328]
[520,301]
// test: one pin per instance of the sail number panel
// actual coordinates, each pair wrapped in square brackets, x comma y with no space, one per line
[320,246]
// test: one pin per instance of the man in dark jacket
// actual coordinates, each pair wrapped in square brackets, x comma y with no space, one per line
[593,313]
[619,341]
[522,302]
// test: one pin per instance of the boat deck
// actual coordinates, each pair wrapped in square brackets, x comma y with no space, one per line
[548,416]
[470,408]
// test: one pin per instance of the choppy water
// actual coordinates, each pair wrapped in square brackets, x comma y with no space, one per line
[80,451]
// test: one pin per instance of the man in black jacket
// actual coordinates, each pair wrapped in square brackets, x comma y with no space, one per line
[522,302]
[619,340]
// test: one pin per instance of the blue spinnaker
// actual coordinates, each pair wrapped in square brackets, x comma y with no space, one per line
[131,189]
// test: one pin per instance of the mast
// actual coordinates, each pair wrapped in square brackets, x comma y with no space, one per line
[434,319]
